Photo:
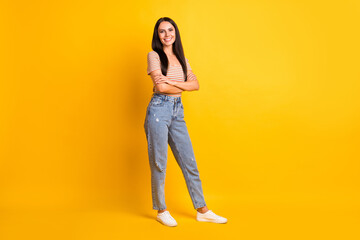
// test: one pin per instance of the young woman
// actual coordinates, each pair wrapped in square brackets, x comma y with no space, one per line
[164,123]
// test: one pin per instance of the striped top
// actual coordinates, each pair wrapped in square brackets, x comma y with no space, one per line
[175,72]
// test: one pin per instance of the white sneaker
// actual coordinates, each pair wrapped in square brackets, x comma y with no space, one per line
[166,219]
[209,216]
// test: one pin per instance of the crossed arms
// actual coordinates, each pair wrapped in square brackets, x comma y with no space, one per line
[165,85]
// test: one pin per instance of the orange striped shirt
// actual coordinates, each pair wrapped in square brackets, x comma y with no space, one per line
[175,72]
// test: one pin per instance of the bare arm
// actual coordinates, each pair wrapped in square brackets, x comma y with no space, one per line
[191,84]
[163,87]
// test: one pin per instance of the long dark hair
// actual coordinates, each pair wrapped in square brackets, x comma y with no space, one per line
[157,46]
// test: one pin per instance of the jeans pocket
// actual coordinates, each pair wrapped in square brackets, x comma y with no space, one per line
[155,102]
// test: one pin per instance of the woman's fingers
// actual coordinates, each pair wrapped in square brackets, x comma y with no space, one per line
[157,78]
[160,79]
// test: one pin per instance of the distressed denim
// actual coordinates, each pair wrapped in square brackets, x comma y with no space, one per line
[165,124]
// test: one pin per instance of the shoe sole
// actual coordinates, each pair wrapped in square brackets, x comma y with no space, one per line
[204,220]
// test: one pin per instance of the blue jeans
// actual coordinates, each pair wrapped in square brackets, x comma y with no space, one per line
[164,124]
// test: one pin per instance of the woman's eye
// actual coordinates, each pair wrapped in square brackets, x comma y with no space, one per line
[169,30]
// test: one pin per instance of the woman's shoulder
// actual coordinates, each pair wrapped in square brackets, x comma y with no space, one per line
[153,54]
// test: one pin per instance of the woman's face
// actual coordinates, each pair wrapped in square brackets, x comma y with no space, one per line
[166,33]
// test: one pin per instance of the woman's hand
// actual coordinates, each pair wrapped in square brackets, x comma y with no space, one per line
[163,79]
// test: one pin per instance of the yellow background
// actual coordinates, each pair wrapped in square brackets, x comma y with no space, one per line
[275,125]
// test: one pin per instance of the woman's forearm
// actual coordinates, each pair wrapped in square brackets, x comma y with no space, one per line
[165,85]
[167,88]
[188,85]
[191,84]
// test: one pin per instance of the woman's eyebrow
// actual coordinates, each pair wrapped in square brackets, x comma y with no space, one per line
[164,28]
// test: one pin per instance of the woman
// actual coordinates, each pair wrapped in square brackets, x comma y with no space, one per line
[164,123]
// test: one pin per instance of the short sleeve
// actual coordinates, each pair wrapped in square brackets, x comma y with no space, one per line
[153,62]
[188,64]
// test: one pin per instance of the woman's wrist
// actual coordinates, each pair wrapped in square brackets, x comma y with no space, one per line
[174,83]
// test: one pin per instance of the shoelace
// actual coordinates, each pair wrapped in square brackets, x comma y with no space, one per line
[211,214]
[167,216]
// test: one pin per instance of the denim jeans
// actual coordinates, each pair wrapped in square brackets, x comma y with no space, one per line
[165,124]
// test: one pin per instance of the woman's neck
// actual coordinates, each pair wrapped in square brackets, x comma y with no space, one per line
[168,50]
